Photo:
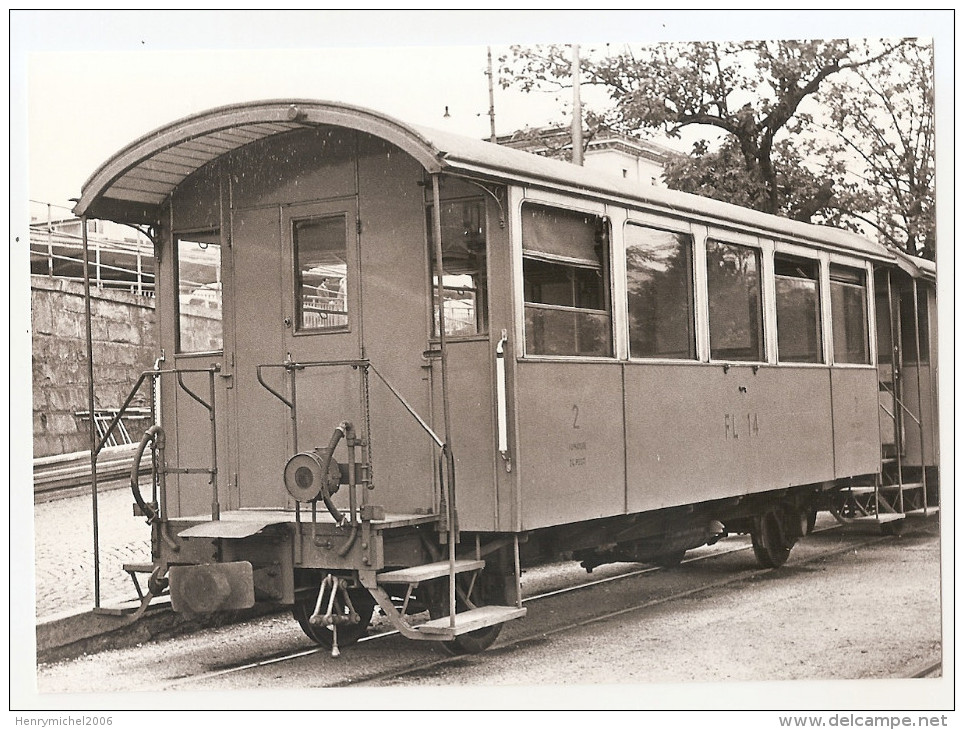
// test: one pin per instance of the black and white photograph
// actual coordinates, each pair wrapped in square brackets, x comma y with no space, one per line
[467,360]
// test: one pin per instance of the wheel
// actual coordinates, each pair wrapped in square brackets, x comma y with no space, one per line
[771,538]
[669,560]
[488,590]
[348,633]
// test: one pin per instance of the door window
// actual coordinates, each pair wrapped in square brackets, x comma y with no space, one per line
[321,273]
[464,285]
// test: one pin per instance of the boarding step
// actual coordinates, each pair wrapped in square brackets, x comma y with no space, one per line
[880,518]
[922,512]
[139,568]
[869,489]
[477,618]
[419,573]
[903,485]
[859,490]
[906,485]
[126,608]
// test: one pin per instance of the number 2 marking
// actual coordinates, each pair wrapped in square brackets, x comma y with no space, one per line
[575,416]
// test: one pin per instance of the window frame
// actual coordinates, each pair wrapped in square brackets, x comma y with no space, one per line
[296,282]
[605,268]
[764,303]
[869,303]
[791,257]
[693,301]
[483,326]
[191,236]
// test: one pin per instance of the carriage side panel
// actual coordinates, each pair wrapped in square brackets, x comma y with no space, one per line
[920,406]
[696,433]
[473,436]
[856,437]
[570,441]
[260,420]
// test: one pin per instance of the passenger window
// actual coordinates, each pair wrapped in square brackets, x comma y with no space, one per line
[659,288]
[735,304]
[566,283]
[848,306]
[199,311]
[321,273]
[799,336]
[464,285]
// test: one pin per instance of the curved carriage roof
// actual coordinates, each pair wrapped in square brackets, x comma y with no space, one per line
[132,186]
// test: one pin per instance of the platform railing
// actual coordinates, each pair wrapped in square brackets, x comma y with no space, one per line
[107,431]
[158,488]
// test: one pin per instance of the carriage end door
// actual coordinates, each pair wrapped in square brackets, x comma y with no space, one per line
[322,315]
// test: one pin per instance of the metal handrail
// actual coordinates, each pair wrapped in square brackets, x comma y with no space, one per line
[898,402]
[137,386]
[360,363]
[293,367]
[210,407]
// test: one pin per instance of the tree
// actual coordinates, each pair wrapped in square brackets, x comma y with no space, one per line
[881,123]
[759,97]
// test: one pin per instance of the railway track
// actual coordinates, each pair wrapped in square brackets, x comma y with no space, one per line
[528,635]
[68,475]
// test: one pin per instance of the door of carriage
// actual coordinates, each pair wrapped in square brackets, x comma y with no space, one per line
[297,300]
[316,297]
[904,369]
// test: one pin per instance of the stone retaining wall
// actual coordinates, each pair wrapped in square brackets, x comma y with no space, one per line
[124,346]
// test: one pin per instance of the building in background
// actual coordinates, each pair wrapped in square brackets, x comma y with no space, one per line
[618,154]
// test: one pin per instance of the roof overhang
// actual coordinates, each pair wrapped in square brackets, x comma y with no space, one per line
[132,185]
[914,266]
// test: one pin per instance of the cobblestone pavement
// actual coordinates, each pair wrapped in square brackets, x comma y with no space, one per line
[64,551]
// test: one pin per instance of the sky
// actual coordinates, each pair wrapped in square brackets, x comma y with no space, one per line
[84,84]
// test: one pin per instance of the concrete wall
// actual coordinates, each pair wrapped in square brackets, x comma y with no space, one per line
[124,346]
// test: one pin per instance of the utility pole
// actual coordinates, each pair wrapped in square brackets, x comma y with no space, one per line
[576,109]
[491,99]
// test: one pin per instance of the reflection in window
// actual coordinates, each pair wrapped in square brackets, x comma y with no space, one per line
[736,316]
[463,268]
[848,306]
[199,318]
[565,276]
[798,309]
[659,287]
[321,273]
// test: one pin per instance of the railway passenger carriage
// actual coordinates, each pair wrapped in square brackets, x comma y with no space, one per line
[398,365]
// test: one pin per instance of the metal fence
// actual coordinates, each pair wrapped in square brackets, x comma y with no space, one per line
[118,257]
